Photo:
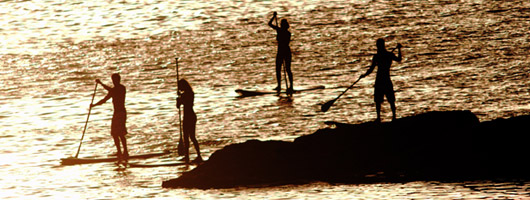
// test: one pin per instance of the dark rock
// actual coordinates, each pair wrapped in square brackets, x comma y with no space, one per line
[249,163]
[431,146]
[501,148]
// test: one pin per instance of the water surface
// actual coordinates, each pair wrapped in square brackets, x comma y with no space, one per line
[458,55]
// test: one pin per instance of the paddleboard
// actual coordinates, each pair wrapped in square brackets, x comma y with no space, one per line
[139,165]
[250,92]
[346,125]
[336,124]
[77,161]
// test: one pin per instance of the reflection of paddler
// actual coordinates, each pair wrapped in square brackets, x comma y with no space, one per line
[383,85]
[186,98]
[284,52]
[118,129]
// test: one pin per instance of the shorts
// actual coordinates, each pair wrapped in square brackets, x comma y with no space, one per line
[118,128]
[382,90]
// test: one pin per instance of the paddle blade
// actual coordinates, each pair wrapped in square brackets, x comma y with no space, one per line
[180,148]
[325,107]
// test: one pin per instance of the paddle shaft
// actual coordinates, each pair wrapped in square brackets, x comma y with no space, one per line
[348,88]
[86,123]
[180,119]
[325,107]
[354,83]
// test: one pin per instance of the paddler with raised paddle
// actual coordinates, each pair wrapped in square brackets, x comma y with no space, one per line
[284,53]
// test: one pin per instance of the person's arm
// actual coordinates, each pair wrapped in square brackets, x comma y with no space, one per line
[104,86]
[371,68]
[109,95]
[102,101]
[272,19]
[179,101]
[398,58]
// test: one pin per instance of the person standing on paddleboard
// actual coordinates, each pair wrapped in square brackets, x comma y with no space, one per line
[383,85]
[186,98]
[284,52]
[118,129]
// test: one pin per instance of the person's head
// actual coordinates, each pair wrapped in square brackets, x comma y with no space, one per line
[116,78]
[184,85]
[380,44]
[285,24]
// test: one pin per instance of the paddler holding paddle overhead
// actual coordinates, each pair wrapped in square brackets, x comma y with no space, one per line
[383,85]
[284,52]
[118,129]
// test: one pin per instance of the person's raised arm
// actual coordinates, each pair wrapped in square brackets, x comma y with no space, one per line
[272,19]
[399,58]
[109,95]
[104,86]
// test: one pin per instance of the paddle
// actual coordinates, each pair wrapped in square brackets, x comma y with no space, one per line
[325,107]
[180,146]
[86,123]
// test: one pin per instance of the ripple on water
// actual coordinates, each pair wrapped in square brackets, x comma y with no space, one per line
[47,82]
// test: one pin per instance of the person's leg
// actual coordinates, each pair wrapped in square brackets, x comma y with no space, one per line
[118,131]
[279,61]
[117,144]
[393,107]
[195,144]
[378,110]
[186,140]
[390,96]
[289,73]
[124,143]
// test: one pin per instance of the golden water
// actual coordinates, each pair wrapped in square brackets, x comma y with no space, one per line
[458,55]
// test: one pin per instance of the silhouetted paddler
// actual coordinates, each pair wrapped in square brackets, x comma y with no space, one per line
[118,129]
[284,52]
[383,85]
[186,98]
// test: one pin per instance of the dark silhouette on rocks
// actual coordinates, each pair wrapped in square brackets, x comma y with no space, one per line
[450,145]
[383,85]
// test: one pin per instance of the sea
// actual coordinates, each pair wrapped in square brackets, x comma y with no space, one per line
[457,55]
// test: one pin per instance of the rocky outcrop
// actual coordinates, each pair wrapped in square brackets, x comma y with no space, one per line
[431,146]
